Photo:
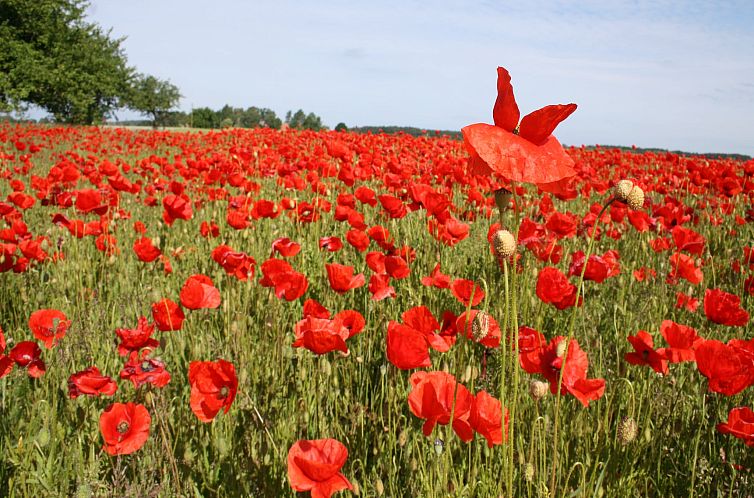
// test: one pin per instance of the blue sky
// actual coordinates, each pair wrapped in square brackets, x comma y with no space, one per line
[676,75]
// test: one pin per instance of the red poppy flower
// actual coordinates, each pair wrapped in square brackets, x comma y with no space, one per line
[6,362]
[645,354]
[381,236]
[723,308]
[685,301]
[91,383]
[136,339]
[209,229]
[728,369]
[432,398]
[358,239]
[238,264]
[342,278]
[596,269]
[366,195]
[486,418]
[314,309]
[322,335]
[547,360]
[408,343]
[450,232]
[213,388]
[644,273]
[682,341]
[90,201]
[144,370]
[314,465]
[27,354]
[525,152]
[199,293]
[392,205]
[467,292]
[145,250]
[686,239]
[167,315]
[436,279]
[331,244]
[380,288]
[176,207]
[281,276]
[48,326]
[554,288]
[286,247]
[683,266]
[563,225]
[124,427]
[740,424]
[407,348]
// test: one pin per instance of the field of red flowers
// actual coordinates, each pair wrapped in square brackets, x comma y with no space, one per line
[262,313]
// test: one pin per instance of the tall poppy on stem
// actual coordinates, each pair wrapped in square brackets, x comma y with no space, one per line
[522,152]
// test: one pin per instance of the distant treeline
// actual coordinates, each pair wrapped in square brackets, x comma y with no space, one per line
[234,117]
[408,130]
[705,155]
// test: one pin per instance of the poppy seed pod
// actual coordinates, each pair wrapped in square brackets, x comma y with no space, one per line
[504,244]
[503,198]
[480,326]
[627,430]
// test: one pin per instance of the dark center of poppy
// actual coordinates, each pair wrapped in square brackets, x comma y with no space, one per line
[224,391]
[122,427]
[146,366]
[645,354]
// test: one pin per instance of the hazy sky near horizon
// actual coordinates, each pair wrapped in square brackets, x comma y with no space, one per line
[670,74]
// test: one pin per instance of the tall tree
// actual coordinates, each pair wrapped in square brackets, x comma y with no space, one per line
[153,97]
[52,57]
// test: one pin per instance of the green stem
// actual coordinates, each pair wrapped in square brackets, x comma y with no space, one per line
[696,449]
[571,325]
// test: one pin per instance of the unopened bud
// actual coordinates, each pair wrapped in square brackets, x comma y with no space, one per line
[626,191]
[504,244]
[480,326]
[538,389]
[627,430]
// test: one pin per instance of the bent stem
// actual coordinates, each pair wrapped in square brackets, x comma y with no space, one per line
[571,324]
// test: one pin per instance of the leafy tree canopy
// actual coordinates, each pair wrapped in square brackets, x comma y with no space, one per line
[52,57]
[153,97]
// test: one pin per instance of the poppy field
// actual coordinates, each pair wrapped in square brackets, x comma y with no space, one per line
[293,313]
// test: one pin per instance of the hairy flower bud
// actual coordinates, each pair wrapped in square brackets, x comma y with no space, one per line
[626,191]
[635,198]
[538,389]
[627,430]
[504,244]
[480,326]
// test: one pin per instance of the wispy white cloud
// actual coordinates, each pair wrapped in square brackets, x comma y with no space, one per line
[661,73]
